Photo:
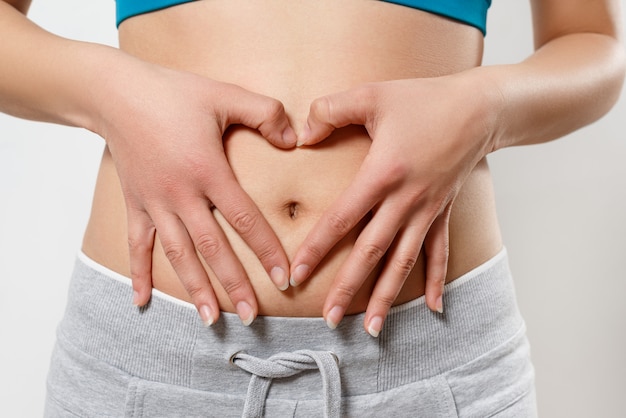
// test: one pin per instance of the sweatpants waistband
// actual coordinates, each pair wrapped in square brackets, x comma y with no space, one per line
[166,342]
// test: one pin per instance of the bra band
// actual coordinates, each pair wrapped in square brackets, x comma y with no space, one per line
[470,12]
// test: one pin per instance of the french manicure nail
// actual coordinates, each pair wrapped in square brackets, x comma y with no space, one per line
[245,312]
[306,133]
[136,298]
[376,324]
[300,273]
[279,278]
[207,315]
[439,304]
[334,317]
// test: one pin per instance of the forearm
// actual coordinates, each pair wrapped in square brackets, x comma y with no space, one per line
[566,84]
[48,78]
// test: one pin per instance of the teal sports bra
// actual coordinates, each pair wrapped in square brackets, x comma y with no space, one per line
[470,12]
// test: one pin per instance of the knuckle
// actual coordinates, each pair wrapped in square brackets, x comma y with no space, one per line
[321,107]
[440,280]
[244,221]
[404,264]
[397,172]
[136,245]
[169,184]
[272,114]
[339,224]
[140,240]
[274,110]
[266,252]
[138,273]
[436,280]
[384,300]
[345,292]
[371,254]
[175,253]
[194,290]
[313,251]
[232,284]
[208,246]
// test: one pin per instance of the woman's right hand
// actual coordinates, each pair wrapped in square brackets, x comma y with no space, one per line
[164,130]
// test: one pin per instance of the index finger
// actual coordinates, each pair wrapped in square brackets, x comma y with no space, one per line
[335,223]
[245,217]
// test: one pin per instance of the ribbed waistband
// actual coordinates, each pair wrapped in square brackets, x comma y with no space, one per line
[166,341]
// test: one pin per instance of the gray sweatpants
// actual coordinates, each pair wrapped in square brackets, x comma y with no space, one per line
[112,359]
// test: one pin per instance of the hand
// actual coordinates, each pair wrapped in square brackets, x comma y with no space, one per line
[164,129]
[427,136]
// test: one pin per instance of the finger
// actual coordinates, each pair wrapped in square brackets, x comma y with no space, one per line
[437,248]
[337,110]
[181,253]
[337,221]
[140,244]
[401,259]
[210,240]
[263,113]
[368,250]
[244,216]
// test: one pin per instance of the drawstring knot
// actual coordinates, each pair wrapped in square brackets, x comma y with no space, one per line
[284,365]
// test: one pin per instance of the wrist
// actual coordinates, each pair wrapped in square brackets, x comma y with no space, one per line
[94,88]
[486,106]
[490,106]
[113,78]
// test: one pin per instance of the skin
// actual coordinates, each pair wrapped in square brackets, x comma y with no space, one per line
[578,59]
[182,215]
[377,240]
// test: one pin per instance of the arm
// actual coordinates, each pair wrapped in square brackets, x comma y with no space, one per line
[572,79]
[164,128]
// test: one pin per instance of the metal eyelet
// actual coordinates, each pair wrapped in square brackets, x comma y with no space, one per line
[231,359]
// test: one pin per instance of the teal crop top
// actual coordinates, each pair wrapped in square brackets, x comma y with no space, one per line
[470,12]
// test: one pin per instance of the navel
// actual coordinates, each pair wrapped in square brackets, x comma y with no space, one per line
[293,208]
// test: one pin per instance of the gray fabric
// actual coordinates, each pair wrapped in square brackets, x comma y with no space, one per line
[112,359]
[283,365]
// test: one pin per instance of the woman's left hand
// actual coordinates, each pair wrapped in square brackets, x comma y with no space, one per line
[427,136]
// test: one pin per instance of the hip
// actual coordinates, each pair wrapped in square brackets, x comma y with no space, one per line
[160,360]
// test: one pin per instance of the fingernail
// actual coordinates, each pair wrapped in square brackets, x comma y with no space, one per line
[207,315]
[245,312]
[306,133]
[334,317]
[136,298]
[300,273]
[376,324]
[279,278]
[289,135]
[439,304]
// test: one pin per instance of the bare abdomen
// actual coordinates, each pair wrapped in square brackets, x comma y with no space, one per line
[295,52]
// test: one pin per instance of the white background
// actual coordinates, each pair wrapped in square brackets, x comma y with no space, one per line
[562,207]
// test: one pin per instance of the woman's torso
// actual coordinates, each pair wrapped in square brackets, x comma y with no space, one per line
[296,51]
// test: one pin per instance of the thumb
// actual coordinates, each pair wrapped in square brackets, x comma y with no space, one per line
[337,110]
[263,113]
